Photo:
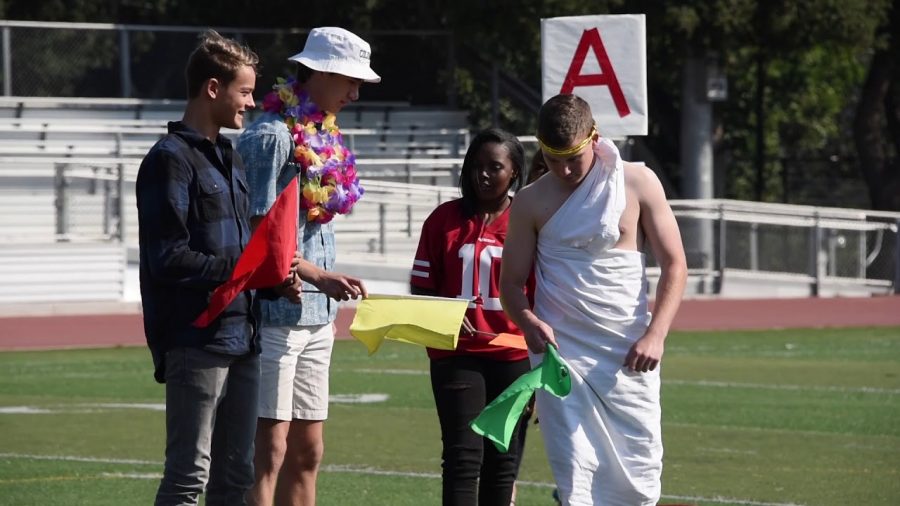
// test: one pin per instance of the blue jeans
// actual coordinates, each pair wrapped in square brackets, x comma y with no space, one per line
[211,408]
[474,472]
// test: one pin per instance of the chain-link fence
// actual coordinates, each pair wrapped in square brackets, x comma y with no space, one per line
[137,61]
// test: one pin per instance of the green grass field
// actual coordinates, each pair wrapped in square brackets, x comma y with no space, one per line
[792,417]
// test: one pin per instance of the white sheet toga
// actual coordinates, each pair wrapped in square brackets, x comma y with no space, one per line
[603,440]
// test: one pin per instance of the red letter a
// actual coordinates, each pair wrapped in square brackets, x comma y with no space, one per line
[574,78]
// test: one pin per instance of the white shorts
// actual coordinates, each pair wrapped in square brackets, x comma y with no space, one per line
[294,372]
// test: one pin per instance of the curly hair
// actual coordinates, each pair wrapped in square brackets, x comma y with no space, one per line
[216,57]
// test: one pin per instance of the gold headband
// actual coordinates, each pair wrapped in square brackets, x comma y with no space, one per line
[568,151]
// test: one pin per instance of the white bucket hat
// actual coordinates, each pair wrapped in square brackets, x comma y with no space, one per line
[333,49]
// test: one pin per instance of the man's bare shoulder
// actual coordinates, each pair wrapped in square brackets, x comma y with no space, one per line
[639,173]
[642,180]
[529,193]
[537,202]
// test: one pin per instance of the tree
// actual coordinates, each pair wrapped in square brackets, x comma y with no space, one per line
[876,129]
[802,74]
[793,69]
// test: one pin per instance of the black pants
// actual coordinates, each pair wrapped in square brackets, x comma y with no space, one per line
[463,386]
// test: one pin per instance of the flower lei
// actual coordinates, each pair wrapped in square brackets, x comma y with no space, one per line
[328,169]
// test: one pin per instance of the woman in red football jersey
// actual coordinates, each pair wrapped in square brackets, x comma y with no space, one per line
[459,256]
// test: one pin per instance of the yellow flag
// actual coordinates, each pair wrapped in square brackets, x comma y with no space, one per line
[416,319]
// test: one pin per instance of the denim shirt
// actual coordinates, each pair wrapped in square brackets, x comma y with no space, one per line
[192,204]
[266,147]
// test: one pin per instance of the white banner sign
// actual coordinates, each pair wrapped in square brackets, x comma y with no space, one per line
[602,59]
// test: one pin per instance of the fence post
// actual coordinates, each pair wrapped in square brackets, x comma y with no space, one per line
[108,212]
[409,220]
[62,203]
[863,264]
[754,246]
[125,62]
[409,180]
[815,254]
[720,279]
[7,63]
[120,201]
[454,151]
[897,256]
[382,225]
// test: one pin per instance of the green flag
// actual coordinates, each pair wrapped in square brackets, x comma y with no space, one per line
[499,418]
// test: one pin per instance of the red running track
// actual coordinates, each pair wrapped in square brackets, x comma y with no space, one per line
[86,331]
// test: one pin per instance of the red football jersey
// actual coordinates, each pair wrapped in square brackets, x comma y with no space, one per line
[460,258]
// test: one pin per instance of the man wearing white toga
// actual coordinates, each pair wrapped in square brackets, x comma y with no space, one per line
[583,227]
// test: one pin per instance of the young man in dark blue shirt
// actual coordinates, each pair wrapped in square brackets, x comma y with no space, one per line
[193,212]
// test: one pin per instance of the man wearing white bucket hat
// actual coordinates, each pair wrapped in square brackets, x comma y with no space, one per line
[298,138]
[338,51]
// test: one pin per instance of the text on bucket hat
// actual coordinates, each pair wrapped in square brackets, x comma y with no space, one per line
[333,49]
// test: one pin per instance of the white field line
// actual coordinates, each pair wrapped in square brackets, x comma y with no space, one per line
[764,386]
[133,476]
[152,406]
[101,408]
[79,408]
[776,430]
[353,470]
[357,398]
[401,372]
[698,383]
[727,451]
[70,458]
[728,500]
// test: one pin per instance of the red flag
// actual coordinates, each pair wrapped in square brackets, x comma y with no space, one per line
[266,261]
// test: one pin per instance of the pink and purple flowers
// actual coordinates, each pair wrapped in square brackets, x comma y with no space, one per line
[329,183]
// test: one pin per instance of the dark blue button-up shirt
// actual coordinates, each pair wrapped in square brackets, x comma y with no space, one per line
[193,212]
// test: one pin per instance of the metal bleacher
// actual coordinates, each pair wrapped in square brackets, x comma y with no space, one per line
[64,162]
[128,127]
[68,226]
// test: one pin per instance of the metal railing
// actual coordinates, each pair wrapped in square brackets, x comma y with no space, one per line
[92,198]
[128,127]
[818,250]
[734,248]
